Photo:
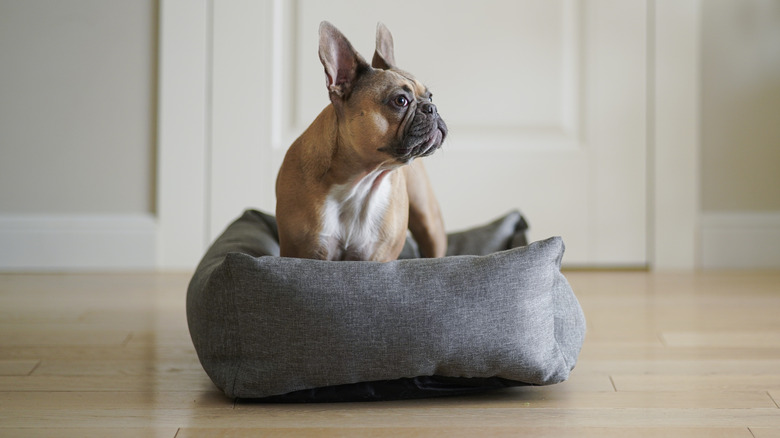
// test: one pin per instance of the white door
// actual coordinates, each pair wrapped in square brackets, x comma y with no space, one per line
[545,101]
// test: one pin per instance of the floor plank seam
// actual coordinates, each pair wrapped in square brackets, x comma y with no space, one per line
[35,367]
[773,399]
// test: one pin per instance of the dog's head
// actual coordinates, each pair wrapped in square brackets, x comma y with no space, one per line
[383,112]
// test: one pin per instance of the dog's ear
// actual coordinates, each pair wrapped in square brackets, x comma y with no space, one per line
[384,57]
[343,64]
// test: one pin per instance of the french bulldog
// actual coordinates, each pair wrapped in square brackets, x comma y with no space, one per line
[351,185]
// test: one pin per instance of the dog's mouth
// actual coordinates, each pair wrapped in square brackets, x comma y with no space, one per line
[423,138]
[430,145]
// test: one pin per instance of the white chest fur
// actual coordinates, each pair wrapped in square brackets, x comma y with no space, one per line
[353,215]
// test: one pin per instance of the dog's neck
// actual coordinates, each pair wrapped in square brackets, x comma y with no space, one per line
[335,162]
[357,194]
[353,216]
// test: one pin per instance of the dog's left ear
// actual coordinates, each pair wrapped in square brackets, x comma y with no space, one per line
[383,56]
[343,64]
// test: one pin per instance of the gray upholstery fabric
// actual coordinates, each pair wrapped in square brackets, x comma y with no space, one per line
[264,325]
[504,233]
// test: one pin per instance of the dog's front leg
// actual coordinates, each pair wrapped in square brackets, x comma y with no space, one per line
[425,219]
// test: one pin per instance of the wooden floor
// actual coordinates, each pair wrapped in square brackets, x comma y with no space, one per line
[666,355]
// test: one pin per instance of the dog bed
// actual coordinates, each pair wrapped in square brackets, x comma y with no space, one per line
[284,329]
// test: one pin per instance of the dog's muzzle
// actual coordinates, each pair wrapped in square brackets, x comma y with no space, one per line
[425,133]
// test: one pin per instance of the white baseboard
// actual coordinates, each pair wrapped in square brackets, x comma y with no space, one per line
[77,242]
[740,240]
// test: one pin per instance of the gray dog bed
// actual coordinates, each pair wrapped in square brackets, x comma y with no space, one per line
[285,329]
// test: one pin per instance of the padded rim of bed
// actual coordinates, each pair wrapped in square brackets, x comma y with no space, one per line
[285,329]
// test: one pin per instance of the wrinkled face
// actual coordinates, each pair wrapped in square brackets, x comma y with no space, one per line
[390,116]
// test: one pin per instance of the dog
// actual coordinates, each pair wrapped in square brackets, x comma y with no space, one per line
[351,186]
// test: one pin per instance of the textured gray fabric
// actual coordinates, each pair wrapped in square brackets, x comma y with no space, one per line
[264,325]
[504,233]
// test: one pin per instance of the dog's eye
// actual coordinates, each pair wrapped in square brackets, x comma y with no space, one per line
[401,101]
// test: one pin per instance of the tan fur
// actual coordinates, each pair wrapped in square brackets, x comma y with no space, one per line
[337,151]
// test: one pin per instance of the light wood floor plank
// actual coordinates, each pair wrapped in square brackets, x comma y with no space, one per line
[183,383]
[765,338]
[733,382]
[60,335]
[114,367]
[775,394]
[765,432]
[679,367]
[53,401]
[448,432]
[369,417]
[534,398]
[91,352]
[86,432]
[639,352]
[17,367]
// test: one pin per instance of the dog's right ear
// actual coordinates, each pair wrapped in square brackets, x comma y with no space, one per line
[343,64]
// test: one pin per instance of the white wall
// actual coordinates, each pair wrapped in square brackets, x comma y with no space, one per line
[740,134]
[740,100]
[77,133]
[77,106]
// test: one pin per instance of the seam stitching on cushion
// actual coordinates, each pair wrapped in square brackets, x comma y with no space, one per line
[556,295]
[559,280]
[237,332]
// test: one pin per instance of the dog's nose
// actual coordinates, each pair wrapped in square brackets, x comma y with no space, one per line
[428,108]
